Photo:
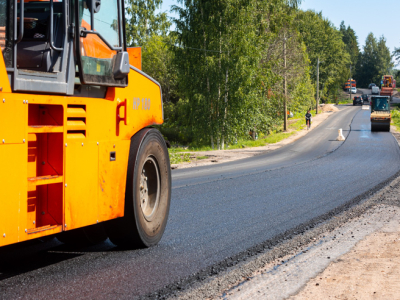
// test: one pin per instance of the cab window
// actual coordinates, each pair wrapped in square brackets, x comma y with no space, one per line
[100,42]
[381,104]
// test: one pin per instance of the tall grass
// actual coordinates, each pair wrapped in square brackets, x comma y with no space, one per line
[396,117]
[296,123]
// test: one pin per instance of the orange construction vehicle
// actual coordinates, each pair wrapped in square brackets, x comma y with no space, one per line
[349,84]
[78,157]
[388,86]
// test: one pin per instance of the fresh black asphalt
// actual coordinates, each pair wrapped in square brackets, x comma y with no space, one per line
[216,212]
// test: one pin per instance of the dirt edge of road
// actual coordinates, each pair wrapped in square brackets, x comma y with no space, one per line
[212,282]
[369,270]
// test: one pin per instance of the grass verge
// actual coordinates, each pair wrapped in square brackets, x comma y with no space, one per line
[180,155]
[345,101]
[176,156]
[395,116]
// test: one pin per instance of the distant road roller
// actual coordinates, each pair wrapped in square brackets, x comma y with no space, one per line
[380,113]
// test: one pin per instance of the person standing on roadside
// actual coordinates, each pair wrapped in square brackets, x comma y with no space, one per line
[308,119]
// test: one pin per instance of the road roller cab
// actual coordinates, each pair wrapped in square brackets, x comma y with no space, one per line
[380,113]
[78,157]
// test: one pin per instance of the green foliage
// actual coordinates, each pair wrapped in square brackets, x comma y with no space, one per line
[325,42]
[374,62]
[350,39]
[232,65]
[384,64]
[179,135]
[216,61]
[396,74]
[142,22]
[396,55]
[396,117]
[158,62]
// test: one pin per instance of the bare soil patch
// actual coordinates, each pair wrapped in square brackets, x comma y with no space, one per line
[370,271]
[329,108]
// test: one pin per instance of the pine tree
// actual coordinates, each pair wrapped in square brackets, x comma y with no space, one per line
[350,39]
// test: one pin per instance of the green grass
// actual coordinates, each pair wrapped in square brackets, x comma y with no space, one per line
[201,157]
[275,137]
[199,148]
[269,139]
[396,117]
[176,157]
[345,101]
[180,155]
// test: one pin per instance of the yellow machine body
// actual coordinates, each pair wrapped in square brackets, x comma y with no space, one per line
[63,159]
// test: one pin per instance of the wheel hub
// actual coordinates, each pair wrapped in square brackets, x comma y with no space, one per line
[149,189]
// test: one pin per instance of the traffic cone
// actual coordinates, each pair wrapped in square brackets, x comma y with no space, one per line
[340,137]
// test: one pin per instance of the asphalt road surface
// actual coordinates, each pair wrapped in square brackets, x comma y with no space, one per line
[216,213]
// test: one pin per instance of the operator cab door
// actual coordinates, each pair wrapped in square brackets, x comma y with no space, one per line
[93,178]
[101,51]
[43,47]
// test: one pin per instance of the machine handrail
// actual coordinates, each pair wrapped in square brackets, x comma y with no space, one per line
[121,36]
[21,20]
[52,25]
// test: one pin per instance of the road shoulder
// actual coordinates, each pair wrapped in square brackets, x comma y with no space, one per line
[370,270]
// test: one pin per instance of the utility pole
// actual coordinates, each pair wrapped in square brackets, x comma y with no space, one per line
[351,85]
[317,98]
[285,87]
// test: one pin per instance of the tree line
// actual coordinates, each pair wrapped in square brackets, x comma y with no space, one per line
[368,66]
[233,66]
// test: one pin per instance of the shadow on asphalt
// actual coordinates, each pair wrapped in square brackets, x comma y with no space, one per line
[32,255]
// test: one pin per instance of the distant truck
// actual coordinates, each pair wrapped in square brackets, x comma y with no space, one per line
[349,84]
[388,86]
[380,113]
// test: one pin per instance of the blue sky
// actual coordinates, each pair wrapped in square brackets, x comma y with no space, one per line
[364,16]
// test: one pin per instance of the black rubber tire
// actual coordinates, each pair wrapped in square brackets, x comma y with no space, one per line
[148,151]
